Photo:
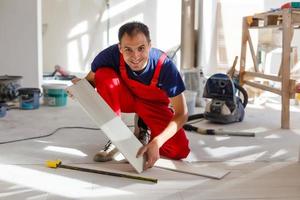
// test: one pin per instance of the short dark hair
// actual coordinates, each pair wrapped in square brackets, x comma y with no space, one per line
[133,28]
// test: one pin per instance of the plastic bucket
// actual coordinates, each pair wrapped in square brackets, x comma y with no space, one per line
[190,97]
[29,98]
[3,109]
[55,94]
[9,86]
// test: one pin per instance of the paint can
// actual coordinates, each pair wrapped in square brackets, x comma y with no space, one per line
[55,94]
[9,86]
[3,109]
[195,80]
[190,97]
[29,98]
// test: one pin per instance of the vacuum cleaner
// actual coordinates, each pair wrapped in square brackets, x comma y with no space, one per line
[225,105]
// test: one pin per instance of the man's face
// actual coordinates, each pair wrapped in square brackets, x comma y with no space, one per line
[135,50]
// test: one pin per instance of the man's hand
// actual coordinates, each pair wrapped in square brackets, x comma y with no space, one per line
[151,152]
[90,77]
[75,80]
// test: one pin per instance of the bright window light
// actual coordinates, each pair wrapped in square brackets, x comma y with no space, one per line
[85,41]
[257,130]
[255,106]
[245,159]
[119,157]
[272,136]
[274,106]
[168,29]
[120,8]
[296,68]
[222,138]
[14,192]
[78,30]
[56,184]
[113,31]
[249,157]
[65,150]
[73,56]
[225,151]
[280,152]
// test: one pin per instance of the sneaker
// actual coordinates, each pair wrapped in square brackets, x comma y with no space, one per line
[107,154]
[144,136]
[141,131]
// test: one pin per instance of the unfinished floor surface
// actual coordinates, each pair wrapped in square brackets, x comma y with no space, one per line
[264,167]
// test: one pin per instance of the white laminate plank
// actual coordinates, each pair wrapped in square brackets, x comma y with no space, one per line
[111,124]
[184,167]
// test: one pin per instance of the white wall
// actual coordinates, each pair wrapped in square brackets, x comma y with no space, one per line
[71,32]
[274,3]
[228,24]
[20,40]
[76,30]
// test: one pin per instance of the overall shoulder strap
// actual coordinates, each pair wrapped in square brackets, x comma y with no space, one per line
[122,66]
[158,68]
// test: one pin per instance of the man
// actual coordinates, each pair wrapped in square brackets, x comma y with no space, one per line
[132,77]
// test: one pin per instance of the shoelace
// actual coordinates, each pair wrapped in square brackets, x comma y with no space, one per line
[144,136]
[107,145]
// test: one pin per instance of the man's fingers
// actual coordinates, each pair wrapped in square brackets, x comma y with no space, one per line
[149,163]
[75,80]
[141,151]
[70,94]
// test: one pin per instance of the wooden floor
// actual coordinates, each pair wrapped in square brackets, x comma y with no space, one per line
[264,167]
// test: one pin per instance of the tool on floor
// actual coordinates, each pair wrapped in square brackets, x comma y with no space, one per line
[201,131]
[58,164]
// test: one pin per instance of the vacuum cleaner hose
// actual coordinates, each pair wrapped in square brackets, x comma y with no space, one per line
[244,92]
